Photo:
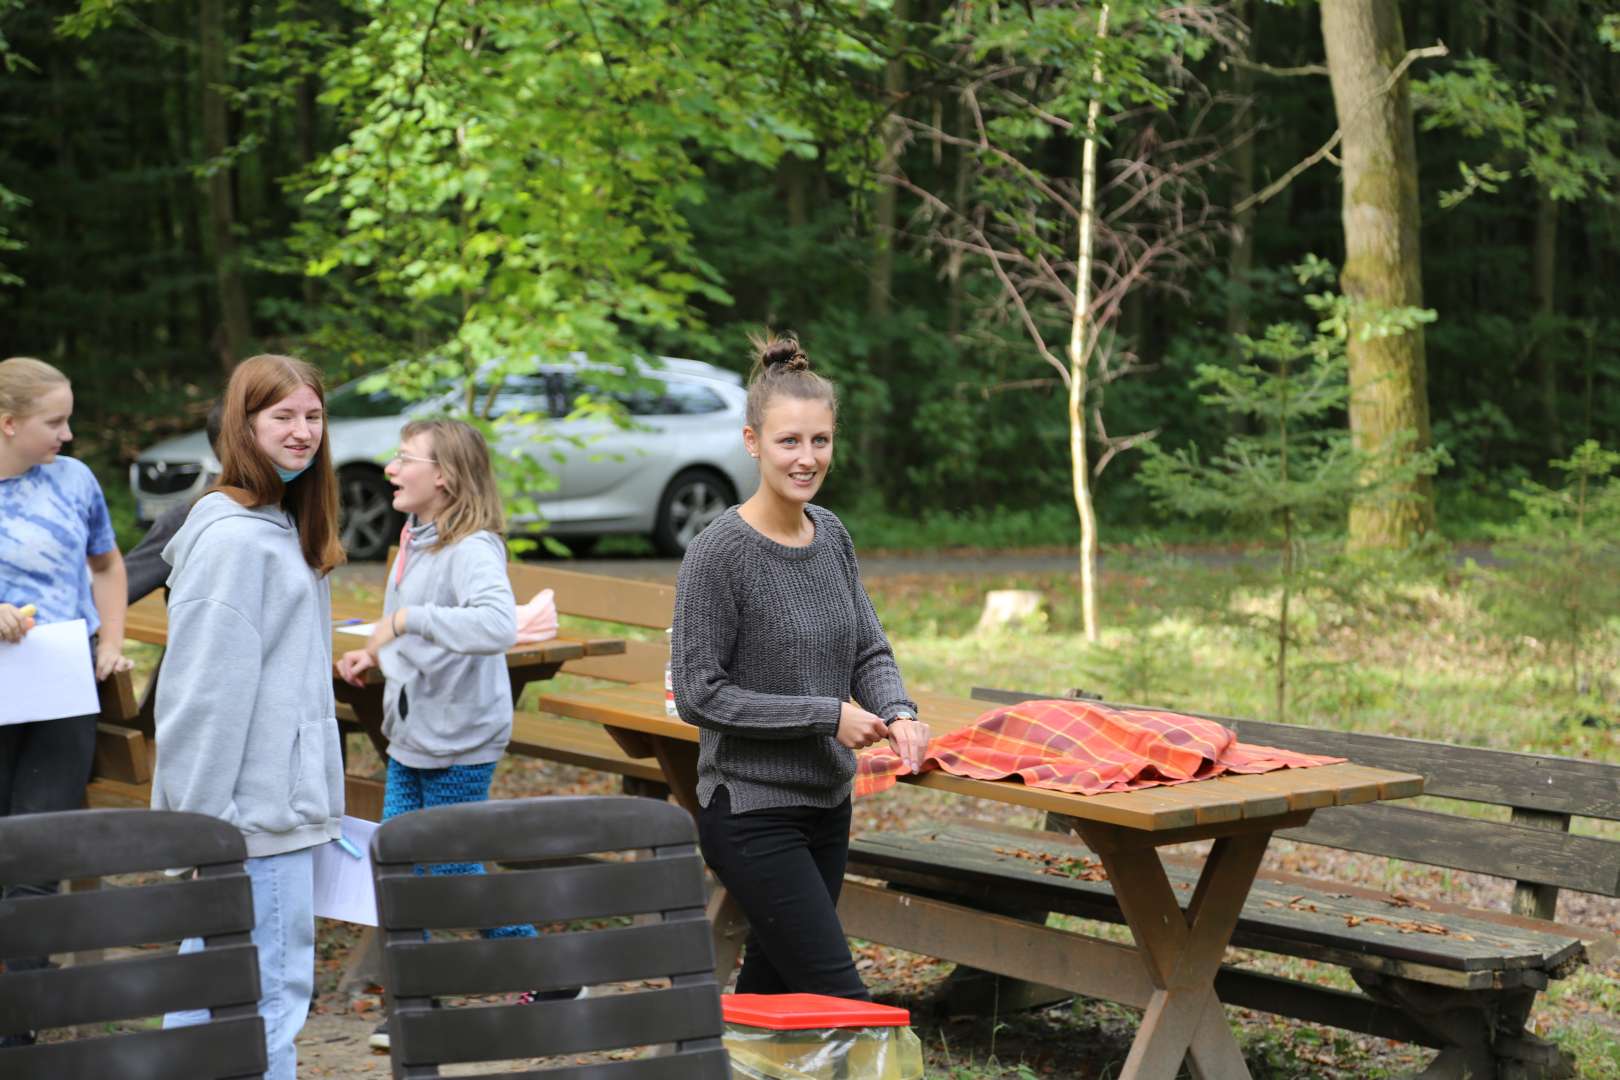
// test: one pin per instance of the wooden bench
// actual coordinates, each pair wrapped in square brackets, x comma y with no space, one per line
[641,604]
[1462,980]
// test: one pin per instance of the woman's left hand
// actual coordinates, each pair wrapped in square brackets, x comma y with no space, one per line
[109,659]
[909,739]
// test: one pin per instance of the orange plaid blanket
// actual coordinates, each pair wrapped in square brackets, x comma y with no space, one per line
[1085,747]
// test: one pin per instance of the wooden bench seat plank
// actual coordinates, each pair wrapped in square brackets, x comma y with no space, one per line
[1055,873]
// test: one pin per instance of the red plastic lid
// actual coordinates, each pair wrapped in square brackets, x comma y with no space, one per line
[800,1012]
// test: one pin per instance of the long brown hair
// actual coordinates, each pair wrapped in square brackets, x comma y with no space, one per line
[249,477]
[473,502]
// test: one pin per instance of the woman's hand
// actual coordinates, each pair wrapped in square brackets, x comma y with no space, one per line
[14,624]
[908,737]
[353,665]
[110,658]
[858,729]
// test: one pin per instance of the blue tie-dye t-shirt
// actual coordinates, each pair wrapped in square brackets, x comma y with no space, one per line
[51,518]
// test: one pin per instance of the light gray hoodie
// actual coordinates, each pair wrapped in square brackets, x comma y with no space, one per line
[450,665]
[246,721]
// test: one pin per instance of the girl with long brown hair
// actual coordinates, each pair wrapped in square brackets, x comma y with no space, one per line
[246,720]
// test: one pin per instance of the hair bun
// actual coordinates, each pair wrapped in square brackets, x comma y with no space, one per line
[786,352]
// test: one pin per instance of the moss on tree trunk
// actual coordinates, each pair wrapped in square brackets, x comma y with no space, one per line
[1382,264]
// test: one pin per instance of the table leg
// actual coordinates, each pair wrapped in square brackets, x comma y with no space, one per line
[1182,952]
[367,703]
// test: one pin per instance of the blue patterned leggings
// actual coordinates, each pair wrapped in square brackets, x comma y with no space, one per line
[415,789]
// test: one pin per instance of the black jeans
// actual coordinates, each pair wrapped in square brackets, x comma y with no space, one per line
[44,766]
[785,866]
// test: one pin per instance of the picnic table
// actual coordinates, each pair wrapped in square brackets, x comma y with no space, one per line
[148,621]
[1168,971]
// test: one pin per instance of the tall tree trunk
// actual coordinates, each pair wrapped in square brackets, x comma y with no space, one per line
[1240,258]
[1550,35]
[1543,292]
[233,305]
[1080,349]
[1382,266]
[881,284]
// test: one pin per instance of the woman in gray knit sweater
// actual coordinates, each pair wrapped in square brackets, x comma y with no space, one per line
[775,640]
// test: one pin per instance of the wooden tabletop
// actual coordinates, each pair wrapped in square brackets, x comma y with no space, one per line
[1183,806]
[148,621]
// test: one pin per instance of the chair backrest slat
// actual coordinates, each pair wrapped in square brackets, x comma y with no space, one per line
[203,1051]
[216,905]
[104,842]
[141,986]
[493,831]
[546,895]
[579,958]
[567,837]
[136,915]
[613,1021]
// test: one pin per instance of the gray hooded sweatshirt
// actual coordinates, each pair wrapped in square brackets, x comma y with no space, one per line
[450,665]
[246,722]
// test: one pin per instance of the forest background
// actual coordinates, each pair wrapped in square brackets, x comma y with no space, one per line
[182,185]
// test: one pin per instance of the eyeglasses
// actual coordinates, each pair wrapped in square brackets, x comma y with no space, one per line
[400,456]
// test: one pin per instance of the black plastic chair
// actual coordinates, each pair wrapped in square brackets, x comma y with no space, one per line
[552,848]
[216,906]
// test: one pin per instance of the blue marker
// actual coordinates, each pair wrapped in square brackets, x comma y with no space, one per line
[348,622]
[347,845]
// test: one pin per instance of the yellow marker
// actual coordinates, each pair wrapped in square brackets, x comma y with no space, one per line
[28,611]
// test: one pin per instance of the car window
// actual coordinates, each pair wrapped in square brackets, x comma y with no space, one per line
[665,399]
[518,393]
[690,399]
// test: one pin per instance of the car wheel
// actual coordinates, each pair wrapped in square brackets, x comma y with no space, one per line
[368,522]
[692,500]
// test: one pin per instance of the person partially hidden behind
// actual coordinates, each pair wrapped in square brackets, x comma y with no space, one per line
[144,564]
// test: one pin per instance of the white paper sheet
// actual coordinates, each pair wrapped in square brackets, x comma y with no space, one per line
[361,630]
[48,674]
[343,882]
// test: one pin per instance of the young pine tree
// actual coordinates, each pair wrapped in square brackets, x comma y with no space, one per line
[1290,475]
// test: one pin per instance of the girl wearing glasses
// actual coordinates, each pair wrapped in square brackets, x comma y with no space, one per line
[448,619]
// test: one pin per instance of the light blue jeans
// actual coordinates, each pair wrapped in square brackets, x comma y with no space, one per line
[284,933]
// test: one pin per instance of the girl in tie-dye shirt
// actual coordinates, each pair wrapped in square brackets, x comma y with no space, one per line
[58,562]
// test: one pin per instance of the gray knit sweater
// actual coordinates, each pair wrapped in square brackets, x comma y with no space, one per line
[769,642]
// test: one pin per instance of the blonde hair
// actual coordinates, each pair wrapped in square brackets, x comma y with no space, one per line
[23,381]
[473,502]
[781,367]
[249,477]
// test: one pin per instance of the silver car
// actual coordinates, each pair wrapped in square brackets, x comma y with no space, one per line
[679,464]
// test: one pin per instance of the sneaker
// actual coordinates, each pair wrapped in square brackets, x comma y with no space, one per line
[563,993]
[9,1041]
[379,1037]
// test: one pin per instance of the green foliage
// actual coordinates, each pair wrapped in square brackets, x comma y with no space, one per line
[1557,589]
[1524,120]
[1292,480]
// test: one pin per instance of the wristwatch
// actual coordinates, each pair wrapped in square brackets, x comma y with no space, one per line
[901,716]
